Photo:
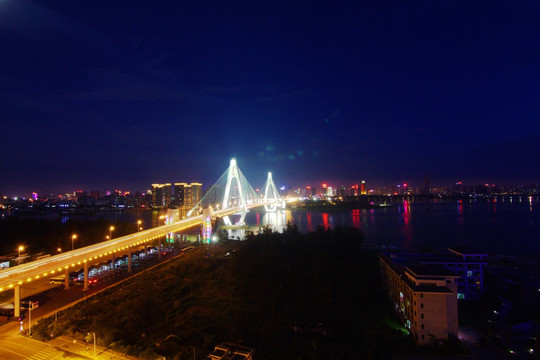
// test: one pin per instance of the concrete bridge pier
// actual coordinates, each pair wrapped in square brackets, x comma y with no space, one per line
[85,276]
[129,260]
[66,280]
[17,301]
[159,248]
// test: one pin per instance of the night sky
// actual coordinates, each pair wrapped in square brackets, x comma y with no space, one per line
[122,94]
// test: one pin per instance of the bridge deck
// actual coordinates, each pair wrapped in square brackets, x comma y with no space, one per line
[75,259]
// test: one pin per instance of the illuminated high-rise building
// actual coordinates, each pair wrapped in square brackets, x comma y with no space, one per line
[167,194]
[196,193]
[157,195]
[161,195]
[184,194]
[363,190]
[178,193]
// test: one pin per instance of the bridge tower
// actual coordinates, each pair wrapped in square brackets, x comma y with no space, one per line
[235,196]
[270,194]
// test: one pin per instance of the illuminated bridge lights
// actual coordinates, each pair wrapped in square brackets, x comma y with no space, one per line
[20,282]
[29,279]
[132,242]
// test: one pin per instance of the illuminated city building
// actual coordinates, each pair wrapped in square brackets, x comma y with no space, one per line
[161,195]
[469,265]
[178,196]
[424,296]
[182,195]
[196,193]
[363,190]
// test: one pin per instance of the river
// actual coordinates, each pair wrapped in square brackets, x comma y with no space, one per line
[504,225]
[507,226]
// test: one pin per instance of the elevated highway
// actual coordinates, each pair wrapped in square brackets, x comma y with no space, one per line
[17,276]
[237,198]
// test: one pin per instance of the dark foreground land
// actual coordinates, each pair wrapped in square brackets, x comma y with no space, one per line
[288,296]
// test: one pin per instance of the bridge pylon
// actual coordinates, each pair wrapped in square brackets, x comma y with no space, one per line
[229,199]
[270,194]
[232,190]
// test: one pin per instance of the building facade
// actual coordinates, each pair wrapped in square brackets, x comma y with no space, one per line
[424,296]
[179,193]
[469,265]
[161,195]
[182,195]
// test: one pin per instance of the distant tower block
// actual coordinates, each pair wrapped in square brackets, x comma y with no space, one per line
[427,188]
[270,194]
[363,190]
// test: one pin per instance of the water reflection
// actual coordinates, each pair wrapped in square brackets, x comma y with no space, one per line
[355,217]
[274,220]
[405,229]
[309,224]
[325,220]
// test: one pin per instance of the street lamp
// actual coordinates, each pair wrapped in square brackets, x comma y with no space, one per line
[110,232]
[73,238]
[30,308]
[139,222]
[94,342]
[21,248]
[59,250]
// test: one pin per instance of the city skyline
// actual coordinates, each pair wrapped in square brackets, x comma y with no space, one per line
[109,96]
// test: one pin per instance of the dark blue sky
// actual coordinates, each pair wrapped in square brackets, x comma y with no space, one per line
[120,94]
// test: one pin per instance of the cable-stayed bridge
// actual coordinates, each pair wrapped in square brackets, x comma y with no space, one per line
[230,196]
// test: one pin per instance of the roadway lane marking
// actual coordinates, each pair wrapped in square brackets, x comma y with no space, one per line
[11,351]
[44,355]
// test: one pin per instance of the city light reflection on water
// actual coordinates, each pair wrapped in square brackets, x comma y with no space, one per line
[496,226]
[500,227]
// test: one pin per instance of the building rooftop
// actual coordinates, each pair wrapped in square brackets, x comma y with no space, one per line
[429,270]
[230,351]
[436,272]
[465,250]
[406,259]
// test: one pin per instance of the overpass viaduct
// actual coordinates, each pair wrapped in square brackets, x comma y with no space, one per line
[15,277]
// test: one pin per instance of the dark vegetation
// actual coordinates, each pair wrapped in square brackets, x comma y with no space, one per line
[289,296]
[47,235]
